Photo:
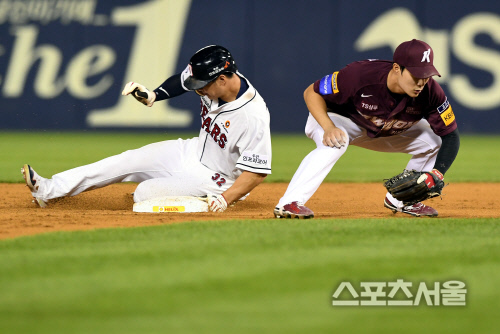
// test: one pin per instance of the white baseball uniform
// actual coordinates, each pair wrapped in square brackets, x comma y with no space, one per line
[419,141]
[234,137]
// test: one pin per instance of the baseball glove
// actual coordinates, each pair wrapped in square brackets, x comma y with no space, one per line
[412,187]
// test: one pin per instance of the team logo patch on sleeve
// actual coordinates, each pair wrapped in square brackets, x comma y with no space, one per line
[328,84]
[448,116]
[446,112]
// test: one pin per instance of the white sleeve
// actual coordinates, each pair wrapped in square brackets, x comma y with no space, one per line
[255,146]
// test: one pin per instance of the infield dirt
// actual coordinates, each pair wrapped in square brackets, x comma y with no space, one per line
[111,207]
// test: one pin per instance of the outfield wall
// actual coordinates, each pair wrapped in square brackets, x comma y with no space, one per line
[63,63]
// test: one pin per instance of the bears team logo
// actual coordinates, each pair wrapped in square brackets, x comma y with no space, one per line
[213,129]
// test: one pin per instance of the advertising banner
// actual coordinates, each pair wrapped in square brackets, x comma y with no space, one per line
[63,63]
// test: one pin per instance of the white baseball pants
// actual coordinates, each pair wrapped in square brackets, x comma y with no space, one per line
[419,141]
[168,168]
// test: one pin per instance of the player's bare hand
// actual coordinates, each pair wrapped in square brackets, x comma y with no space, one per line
[217,203]
[140,93]
[334,137]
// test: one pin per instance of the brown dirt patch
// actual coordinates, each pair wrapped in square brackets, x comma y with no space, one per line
[112,206]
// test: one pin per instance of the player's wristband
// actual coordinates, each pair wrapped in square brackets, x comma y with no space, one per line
[438,174]
[172,87]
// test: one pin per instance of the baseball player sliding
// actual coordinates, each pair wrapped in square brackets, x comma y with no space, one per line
[382,106]
[229,158]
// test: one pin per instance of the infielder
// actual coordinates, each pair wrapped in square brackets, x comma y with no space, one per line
[229,158]
[382,106]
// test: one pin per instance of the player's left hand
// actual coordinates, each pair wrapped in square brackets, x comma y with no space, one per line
[140,93]
[217,203]
[412,187]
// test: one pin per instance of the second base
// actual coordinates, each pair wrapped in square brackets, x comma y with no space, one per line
[182,204]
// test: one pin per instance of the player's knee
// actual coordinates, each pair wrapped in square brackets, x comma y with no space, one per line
[435,145]
[329,155]
[139,193]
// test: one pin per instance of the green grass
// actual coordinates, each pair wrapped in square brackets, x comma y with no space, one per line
[51,152]
[253,276]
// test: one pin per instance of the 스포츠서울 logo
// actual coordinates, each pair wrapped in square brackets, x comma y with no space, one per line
[399,293]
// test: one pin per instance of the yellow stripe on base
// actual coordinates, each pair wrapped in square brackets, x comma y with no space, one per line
[169,208]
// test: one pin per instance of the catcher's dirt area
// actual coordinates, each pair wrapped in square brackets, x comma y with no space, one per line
[112,206]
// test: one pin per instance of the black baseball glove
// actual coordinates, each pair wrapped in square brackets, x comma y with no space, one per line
[412,187]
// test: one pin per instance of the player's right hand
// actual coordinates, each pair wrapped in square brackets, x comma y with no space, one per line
[217,203]
[140,93]
[334,137]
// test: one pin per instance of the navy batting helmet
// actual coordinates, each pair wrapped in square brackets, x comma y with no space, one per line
[207,64]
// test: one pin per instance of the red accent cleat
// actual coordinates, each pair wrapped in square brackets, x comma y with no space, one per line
[293,210]
[417,209]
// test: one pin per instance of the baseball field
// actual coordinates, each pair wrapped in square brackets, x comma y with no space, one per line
[88,264]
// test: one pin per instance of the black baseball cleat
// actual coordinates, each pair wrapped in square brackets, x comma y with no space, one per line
[32,178]
[418,209]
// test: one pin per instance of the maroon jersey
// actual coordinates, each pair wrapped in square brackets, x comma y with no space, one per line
[359,91]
